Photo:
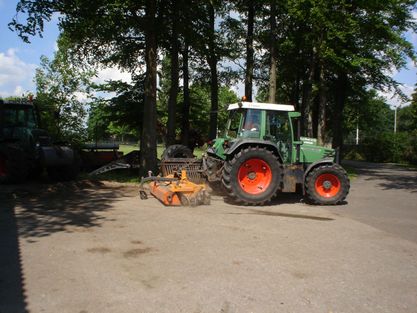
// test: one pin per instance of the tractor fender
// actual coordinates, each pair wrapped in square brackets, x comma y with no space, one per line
[314,165]
[239,144]
[57,156]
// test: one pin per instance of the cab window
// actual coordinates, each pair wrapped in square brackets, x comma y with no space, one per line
[252,120]
[278,125]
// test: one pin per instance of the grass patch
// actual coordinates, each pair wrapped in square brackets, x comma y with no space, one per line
[128,148]
[352,172]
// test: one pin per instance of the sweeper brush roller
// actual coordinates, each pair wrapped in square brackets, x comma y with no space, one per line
[175,190]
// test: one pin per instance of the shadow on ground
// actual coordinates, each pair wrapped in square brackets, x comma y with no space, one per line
[281,214]
[37,210]
[387,176]
[49,208]
[12,295]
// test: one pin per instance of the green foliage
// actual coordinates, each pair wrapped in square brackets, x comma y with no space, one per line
[329,54]
[370,113]
[120,115]
[385,147]
[200,107]
[59,85]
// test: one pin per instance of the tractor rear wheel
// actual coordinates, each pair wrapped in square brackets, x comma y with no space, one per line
[177,151]
[253,176]
[327,184]
[13,165]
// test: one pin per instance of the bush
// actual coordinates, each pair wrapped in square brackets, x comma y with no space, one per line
[410,153]
[386,147]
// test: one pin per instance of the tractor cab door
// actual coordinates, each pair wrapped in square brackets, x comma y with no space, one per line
[278,129]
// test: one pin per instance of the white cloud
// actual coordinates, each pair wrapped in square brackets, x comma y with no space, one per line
[81,96]
[15,75]
[112,73]
[395,101]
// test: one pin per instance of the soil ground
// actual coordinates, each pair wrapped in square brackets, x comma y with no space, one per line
[96,247]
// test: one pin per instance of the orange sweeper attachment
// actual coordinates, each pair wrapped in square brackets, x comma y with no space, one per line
[175,189]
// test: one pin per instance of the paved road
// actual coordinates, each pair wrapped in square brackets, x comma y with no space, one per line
[384,196]
[92,247]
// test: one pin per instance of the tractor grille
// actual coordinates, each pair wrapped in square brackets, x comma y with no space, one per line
[193,167]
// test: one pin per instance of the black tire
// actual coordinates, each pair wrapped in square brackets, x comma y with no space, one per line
[65,172]
[254,194]
[177,151]
[35,172]
[214,178]
[14,165]
[327,185]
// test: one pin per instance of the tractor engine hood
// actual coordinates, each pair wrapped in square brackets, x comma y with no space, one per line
[311,152]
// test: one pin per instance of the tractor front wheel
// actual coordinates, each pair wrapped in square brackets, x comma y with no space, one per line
[253,176]
[327,184]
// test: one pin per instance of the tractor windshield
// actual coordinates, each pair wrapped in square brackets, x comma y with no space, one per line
[19,117]
[233,124]
[244,123]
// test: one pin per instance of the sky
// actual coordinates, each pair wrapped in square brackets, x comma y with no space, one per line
[19,60]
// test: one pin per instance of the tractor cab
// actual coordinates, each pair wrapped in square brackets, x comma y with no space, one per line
[259,122]
[268,124]
[17,120]
[25,149]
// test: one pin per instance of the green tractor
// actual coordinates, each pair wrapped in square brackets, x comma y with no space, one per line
[262,153]
[26,150]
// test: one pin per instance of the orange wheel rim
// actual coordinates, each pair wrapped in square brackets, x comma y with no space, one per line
[2,167]
[327,185]
[254,176]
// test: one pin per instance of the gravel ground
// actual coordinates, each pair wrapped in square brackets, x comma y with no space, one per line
[96,247]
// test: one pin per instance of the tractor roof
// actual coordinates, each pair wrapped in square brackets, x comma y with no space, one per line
[14,103]
[261,106]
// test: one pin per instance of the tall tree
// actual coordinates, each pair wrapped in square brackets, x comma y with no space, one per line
[173,93]
[249,50]
[59,86]
[148,159]
[273,55]
[185,125]
[212,60]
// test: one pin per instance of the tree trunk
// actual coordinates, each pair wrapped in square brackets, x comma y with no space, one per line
[321,114]
[295,94]
[307,116]
[273,60]
[185,125]
[214,88]
[249,52]
[340,99]
[173,92]
[148,138]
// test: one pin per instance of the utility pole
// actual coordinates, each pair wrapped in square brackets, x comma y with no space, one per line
[395,119]
[357,133]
